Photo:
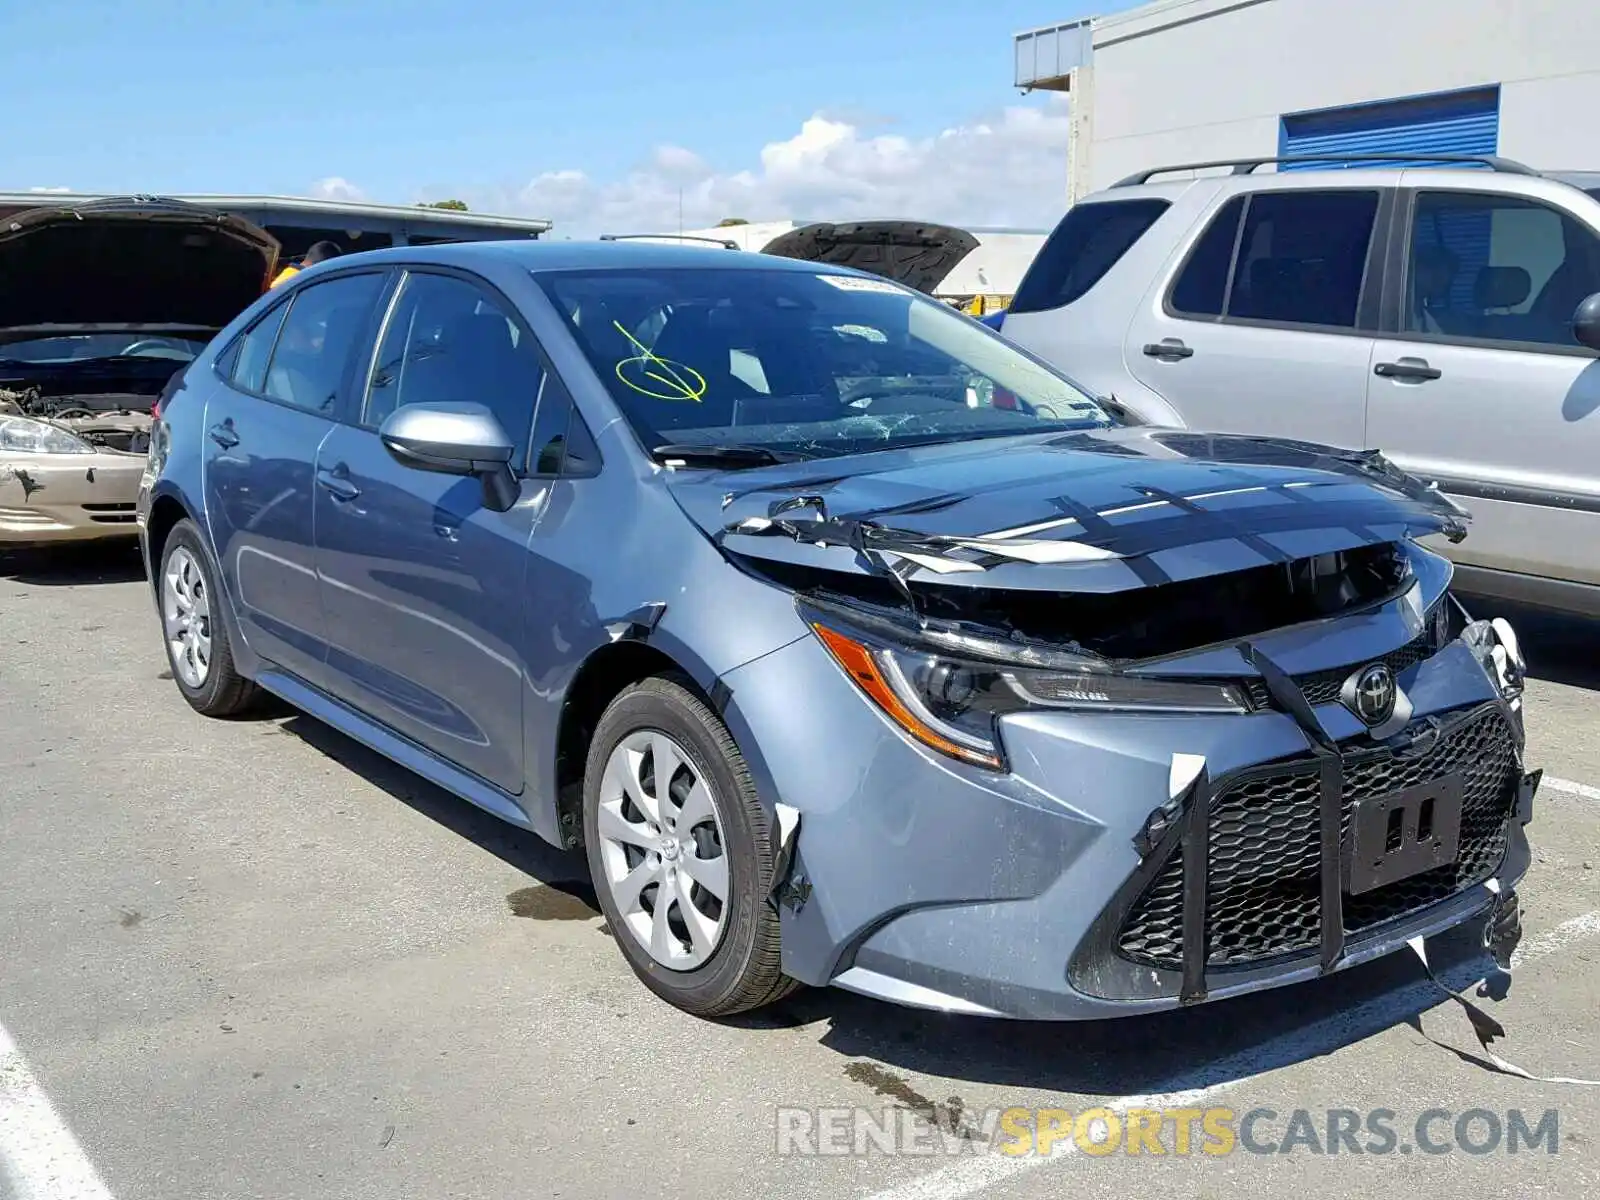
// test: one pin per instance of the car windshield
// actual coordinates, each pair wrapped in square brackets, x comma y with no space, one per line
[87,347]
[803,363]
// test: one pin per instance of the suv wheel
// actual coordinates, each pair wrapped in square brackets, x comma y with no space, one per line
[196,636]
[680,854]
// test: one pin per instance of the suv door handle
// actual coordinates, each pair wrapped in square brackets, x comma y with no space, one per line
[1168,348]
[1408,368]
[223,434]
[337,484]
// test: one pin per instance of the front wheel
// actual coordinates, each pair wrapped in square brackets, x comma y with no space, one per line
[196,636]
[680,852]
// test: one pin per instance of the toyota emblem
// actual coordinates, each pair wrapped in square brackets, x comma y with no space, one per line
[1371,694]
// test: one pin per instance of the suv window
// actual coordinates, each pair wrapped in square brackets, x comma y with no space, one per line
[1498,268]
[1085,245]
[1299,259]
[255,350]
[325,322]
[448,340]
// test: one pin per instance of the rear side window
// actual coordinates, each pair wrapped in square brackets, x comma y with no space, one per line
[325,322]
[1294,258]
[1085,245]
[255,350]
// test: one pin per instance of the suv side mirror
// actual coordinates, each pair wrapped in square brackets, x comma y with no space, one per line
[1586,322]
[454,439]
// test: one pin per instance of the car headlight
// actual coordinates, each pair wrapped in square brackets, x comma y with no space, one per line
[22,435]
[953,703]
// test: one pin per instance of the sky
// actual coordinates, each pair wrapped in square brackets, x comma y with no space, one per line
[594,113]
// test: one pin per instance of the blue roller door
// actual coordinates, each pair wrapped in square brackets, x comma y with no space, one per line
[1446,123]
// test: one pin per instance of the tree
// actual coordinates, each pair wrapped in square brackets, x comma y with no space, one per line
[452,205]
[727,222]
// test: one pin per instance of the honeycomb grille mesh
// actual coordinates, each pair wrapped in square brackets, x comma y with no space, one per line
[1264,881]
[1323,687]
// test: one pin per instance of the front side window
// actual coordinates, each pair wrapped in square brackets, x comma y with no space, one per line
[1295,258]
[324,324]
[1087,243]
[802,362]
[1497,268]
[449,341]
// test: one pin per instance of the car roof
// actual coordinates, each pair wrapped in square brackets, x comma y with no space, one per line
[540,256]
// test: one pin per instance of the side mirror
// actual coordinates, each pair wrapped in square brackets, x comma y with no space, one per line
[1586,322]
[454,439]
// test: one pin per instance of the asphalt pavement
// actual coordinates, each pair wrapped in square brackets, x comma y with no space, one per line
[252,959]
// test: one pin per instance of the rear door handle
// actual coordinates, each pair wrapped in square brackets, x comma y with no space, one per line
[337,484]
[223,434]
[1408,368]
[1168,348]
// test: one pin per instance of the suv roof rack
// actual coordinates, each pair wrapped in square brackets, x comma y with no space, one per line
[1248,166]
[725,243]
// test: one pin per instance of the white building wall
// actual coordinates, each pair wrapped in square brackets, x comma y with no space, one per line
[1188,80]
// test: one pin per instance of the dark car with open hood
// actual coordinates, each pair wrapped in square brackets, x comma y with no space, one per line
[851,644]
[101,305]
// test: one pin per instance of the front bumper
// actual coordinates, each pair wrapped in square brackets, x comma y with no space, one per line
[68,497]
[924,881]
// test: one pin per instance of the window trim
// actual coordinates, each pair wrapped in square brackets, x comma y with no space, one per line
[1374,271]
[402,271]
[237,343]
[1399,277]
[287,303]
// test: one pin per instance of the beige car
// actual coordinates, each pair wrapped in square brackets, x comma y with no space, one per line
[102,306]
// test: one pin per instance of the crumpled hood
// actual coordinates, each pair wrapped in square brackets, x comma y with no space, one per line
[1101,511]
[130,262]
[914,253]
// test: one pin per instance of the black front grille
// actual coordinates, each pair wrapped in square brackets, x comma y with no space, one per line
[1264,889]
[1323,687]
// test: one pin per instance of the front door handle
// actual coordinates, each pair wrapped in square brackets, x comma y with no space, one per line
[1168,348]
[223,434]
[337,484]
[1408,368]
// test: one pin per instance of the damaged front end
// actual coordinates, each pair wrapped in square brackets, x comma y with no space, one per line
[1341,746]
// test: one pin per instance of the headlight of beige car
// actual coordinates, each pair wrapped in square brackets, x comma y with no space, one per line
[20,435]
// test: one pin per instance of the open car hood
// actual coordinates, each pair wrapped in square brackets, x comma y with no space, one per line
[1089,512]
[914,253]
[135,262]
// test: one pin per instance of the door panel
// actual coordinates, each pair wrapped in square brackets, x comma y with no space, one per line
[1259,331]
[258,470]
[423,588]
[1486,389]
[1520,425]
[422,584]
[263,429]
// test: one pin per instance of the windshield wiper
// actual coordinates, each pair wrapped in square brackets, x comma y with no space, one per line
[724,456]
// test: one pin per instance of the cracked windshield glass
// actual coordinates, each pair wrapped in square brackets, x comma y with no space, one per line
[803,364]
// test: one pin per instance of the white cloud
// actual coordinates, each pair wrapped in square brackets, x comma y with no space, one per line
[335,187]
[1007,168]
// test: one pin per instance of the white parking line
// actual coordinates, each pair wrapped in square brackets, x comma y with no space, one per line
[1572,789]
[39,1157]
[973,1175]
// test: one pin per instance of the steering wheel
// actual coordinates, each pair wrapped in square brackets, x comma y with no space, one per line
[143,349]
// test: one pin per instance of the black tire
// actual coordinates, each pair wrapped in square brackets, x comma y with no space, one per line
[744,970]
[224,692]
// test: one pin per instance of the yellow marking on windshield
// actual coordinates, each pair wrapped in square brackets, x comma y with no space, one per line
[675,380]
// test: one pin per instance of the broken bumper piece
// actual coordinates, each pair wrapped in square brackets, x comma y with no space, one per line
[1127,862]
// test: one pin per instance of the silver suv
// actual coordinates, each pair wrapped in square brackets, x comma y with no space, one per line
[1448,315]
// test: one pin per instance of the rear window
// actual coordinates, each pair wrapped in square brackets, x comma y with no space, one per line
[1087,244]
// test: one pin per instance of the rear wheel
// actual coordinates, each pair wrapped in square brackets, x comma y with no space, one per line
[680,852]
[196,636]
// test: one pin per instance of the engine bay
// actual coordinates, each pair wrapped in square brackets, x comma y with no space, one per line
[113,421]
